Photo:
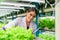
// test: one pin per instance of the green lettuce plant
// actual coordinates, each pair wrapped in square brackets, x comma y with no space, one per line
[47,37]
[16,33]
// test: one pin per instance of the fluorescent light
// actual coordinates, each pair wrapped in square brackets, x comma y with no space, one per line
[17,4]
[1,9]
[40,1]
[6,7]
[15,10]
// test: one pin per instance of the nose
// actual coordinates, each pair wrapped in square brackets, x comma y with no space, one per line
[31,17]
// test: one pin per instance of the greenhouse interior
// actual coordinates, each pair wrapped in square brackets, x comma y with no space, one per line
[45,20]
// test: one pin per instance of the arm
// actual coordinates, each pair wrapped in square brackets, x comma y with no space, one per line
[11,24]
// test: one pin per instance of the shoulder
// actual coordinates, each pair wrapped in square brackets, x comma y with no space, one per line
[18,19]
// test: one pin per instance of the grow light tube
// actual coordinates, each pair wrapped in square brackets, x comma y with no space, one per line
[8,10]
[15,10]
[17,4]
[6,7]
[40,1]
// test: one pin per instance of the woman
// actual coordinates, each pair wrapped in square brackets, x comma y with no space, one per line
[25,22]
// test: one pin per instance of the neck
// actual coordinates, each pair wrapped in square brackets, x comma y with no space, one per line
[27,23]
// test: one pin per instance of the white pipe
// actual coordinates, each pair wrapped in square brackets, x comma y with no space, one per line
[57,27]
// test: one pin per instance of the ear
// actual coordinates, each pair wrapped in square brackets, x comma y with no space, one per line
[26,12]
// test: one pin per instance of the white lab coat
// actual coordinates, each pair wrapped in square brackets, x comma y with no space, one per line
[21,22]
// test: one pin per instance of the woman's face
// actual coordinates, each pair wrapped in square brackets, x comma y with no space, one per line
[30,15]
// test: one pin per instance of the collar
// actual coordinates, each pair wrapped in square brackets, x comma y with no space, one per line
[24,22]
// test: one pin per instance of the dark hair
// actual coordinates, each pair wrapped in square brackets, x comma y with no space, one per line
[32,9]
